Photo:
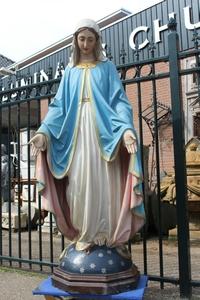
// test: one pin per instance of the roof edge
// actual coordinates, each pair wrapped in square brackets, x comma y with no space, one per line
[106,21]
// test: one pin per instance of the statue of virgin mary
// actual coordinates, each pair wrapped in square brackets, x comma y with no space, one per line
[89,169]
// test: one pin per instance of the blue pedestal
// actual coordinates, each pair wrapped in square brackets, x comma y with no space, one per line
[47,289]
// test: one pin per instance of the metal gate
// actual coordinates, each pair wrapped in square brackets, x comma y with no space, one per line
[28,246]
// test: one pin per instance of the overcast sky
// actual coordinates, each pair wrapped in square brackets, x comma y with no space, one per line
[28,26]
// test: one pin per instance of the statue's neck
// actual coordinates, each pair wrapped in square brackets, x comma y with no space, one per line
[87,58]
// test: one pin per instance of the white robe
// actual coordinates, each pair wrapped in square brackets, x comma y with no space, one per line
[94,189]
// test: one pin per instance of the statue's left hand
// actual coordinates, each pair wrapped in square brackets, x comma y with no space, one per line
[130,141]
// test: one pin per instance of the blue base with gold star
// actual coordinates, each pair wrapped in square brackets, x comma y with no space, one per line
[101,270]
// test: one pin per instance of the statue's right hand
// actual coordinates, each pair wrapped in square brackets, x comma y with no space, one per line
[38,143]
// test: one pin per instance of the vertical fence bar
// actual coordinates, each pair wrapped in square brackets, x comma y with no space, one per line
[29,185]
[157,154]
[38,195]
[40,232]
[18,181]
[139,98]
[18,169]
[1,240]
[51,228]
[9,183]
[144,230]
[196,39]
[62,243]
[180,163]
[51,239]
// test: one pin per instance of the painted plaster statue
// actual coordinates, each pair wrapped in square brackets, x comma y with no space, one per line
[88,167]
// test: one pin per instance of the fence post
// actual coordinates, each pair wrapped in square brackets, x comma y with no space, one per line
[180,163]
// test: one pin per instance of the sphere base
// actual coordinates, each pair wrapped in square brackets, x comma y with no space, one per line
[101,271]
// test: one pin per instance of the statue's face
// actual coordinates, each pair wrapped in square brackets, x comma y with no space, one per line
[86,42]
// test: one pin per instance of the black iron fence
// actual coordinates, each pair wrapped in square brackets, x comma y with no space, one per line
[26,242]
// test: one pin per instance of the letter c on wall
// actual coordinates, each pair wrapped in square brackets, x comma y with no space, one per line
[133,35]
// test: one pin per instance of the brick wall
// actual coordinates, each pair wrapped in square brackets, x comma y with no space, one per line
[165,130]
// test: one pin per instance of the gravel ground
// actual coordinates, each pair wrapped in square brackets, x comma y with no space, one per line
[18,285]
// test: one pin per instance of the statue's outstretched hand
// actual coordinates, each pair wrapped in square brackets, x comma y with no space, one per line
[38,143]
[130,141]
